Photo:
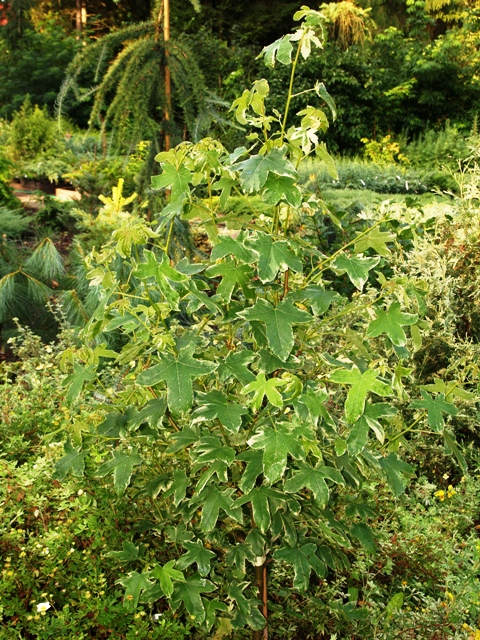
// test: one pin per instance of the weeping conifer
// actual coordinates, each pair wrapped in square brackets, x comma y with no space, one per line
[129,91]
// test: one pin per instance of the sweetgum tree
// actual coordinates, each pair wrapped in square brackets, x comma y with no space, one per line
[257,389]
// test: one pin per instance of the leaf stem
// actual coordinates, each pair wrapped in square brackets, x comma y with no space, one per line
[290,90]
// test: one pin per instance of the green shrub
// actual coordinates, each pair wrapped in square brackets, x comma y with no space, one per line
[32,132]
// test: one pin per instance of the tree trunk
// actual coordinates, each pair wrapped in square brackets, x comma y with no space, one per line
[168,88]
[80,16]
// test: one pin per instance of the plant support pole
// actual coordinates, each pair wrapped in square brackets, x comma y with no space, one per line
[168,89]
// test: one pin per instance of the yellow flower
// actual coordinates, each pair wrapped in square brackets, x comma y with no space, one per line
[440,495]
[451,491]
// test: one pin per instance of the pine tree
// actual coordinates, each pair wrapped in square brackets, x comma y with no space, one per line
[131,93]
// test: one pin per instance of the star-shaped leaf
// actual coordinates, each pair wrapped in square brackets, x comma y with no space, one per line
[196,554]
[280,50]
[211,449]
[390,322]
[189,592]
[318,298]
[435,407]
[166,575]
[375,239]
[177,180]
[356,267]
[255,170]
[163,273]
[217,405]
[279,188]
[303,559]
[262,387]
[253,468]
[362,384]
[278,322]
[275,255]
[73,460]
[313,478]
[233,276]
[178,373]
[121,465]
[277,444]
[235,366]
[213,500]
[134,584]
[228,246]
[77,379]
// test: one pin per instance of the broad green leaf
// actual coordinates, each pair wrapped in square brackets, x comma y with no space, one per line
[394,604]
[129,553]
[179,486]
[166,575]
[163,273]
[260,508]
[397,472]
[275,255]
[268,362]
[451,447]
[304,560]
[223,626]
[322,152]
[212,501]
[313,401]
[390,322]
[182,439]
[152,413]
[364,535]
[281,188]
[449,389]
[362,384]
[356,267]
[218,468]
[261,388]
[77,379]
[196,554]
[235,366]
[211,448]
[322,92]
[73,460]
[134,584]
[235,247]
[377,240]
[233,276]
[237,555]
[435,407]
[319,299]
[358,436]
[278,323]
[280,50]
[253,469]
[277,444]
[188,593]
[255,170]
[217,405]
[313,478]
[122,465]
[178,373]
[177,180]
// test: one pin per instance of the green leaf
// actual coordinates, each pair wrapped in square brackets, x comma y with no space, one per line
[178,373]
[189,592]
[277,444]
[77,379]
[213,501]
[181,440]
[376,240]
[451,447]
[217,405]
[322,153]
[281,188]
[319,299]
[278,322]
[255,170]
[390,322]
[260,508]
[262,387]
[166,575]
[121,465]
[275,255]
[179,486]
[364,535]
[234,246]
[435,407]
[73,460]
[163,274]
[356,267]
[304,560]
[196,554]
[235,366]
[253,469]
[322,92]
[313,478]
[177,180]
[134,584]
[211,449]
[362,384]
[358,436]
[449,389]
[233,276]
[394,604]
[280,50]
[129,553]
[152,413]
[397,472]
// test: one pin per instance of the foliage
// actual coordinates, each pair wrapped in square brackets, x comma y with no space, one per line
[32,132]
[385,151]
[256,393]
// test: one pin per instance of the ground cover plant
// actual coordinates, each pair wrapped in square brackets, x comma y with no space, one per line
[252,397]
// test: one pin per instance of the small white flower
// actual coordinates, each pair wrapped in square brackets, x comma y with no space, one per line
[36,513]
[156,617]
[80,492]
[43,606]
